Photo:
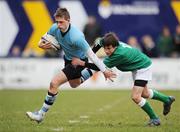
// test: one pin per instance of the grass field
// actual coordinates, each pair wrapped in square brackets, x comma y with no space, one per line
[83,111]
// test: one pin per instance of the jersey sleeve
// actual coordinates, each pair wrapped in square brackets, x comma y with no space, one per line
[107,62]
[112,61]
[52,29]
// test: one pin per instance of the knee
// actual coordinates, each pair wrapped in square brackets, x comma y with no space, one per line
[54,85]
[136,98]
[74,85]
[145,94]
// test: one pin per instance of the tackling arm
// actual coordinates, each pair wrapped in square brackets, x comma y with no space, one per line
[95,48]
[91,55]
[100,65]
[77,61]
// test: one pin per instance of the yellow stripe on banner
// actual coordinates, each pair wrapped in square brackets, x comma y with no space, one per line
[176,7]
[41,22]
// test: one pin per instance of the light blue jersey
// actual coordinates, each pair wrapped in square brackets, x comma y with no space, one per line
[72,42]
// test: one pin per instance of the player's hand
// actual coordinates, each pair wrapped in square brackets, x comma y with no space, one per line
[109,74]
[77,62]
[45,44]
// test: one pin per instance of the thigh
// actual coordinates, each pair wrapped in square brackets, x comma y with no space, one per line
[146,93]
[72,72]
[136,94]
[59,78]
[139,86]
[137,91]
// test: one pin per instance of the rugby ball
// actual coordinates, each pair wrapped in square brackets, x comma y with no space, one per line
[52,40]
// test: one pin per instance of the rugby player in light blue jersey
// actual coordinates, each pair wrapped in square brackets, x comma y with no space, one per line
[73,43]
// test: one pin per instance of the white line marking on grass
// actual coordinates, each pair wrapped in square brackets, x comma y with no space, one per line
[109,106]
[73,121]
[101,109]
[84,117]
[58,129]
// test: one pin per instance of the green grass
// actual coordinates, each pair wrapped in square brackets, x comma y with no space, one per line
[83,111]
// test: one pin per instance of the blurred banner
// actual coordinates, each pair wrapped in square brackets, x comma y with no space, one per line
[37,74]
[23,22]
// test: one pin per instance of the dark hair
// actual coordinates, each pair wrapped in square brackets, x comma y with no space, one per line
[62,12]
[110,39]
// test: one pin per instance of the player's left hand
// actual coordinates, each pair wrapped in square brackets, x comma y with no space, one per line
[109,74]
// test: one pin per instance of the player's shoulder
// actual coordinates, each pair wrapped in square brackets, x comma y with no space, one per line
[75,33]
[54,26]
[53,29]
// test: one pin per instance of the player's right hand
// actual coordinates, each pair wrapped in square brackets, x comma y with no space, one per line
[44,44]
[109,74]
[76,61]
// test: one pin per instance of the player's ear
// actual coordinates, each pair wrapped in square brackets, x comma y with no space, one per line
[68,20]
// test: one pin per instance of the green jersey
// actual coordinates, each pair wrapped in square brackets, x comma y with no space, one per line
[126,58]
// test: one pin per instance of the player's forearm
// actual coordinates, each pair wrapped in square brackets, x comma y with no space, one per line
[77,61]
[96,60]
[91,66]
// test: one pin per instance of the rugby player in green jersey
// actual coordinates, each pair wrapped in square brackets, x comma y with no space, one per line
[126,58]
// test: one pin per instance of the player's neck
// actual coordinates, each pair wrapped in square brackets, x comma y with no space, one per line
[65,30]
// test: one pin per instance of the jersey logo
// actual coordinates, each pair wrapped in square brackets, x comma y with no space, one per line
[125,45]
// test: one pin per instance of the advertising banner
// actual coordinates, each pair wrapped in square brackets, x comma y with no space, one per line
[37,74]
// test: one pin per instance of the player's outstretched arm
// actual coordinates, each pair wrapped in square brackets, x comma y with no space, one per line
[107,73]
[77,61]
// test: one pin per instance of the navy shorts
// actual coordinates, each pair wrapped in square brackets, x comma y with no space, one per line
[72,72]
